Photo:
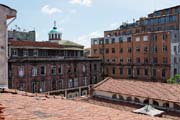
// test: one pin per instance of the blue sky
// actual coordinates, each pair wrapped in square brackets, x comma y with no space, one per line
[80,20]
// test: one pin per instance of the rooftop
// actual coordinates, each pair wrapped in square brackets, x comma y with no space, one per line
[33,44]
[37,107]
[159,91]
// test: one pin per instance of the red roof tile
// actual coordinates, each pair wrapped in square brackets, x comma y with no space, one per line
[39,108]
[33,44]
[159,91]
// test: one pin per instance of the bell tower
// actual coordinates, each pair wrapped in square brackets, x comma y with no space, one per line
[54,34]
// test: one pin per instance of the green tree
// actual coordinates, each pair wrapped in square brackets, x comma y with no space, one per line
[173,80]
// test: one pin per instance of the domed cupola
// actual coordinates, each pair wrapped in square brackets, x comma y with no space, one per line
[54,34]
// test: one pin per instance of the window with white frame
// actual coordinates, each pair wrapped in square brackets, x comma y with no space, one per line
[84,81]
[53,70]
[34,71]
[70,83]
[145,38]
[14,52]
[35,52]
[137,39]
[60,84]
[60,69]
[84,68]
[20,71]
[25,53]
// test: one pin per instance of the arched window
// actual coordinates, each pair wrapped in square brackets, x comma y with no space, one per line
[166,105]
[129,99]
[136,100]
[114,96]
[121,97]
[146,101]
[155,103]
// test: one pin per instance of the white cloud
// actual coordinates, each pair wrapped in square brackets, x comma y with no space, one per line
[87,3]
[86,39]
[50,10]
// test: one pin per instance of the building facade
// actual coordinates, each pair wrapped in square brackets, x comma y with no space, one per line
[56,67]
[147,49]
[5,14]
[22,35]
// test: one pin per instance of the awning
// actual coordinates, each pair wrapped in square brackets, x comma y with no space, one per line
[149,110]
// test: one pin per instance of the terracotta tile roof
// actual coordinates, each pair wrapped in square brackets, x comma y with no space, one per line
[159,91]
[33,44]
[22,106]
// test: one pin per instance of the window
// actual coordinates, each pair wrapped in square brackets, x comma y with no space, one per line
[120,39]
[60,84]
[175,49]
[43,70]
[95,42]
[60,69]
[121,60]
[145,49]
[107,60]
[137,39]
[138,71]
[155,60]
[129,49]
[20,71]
[146,72]
[163,73]
[138,49]
[176,10]
[129,71]
[14,52]
[164,36]
[154,37]
[113,50]
[84,68]
[95,67]
[113,71]
[84,81]
[34,71]
[175,71]
[138,60]
[35,52]
[165,49]
[107,50]
[75,82]
[145,38]
[113,60]
[25,53]
[121,50]
[154,49]
[129,60]
[165,60]
[145,60]
[101,51]
[121,71]
[154,72]
[53,70]
[113,40]
[175,60]
[95,51]
[129,39]
[70,83]
[107,41]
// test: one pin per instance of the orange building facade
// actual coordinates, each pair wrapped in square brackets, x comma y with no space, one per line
[147,49]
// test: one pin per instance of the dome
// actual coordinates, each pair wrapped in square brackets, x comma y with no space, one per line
[54,30]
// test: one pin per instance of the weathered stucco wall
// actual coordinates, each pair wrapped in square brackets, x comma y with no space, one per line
[5,13]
